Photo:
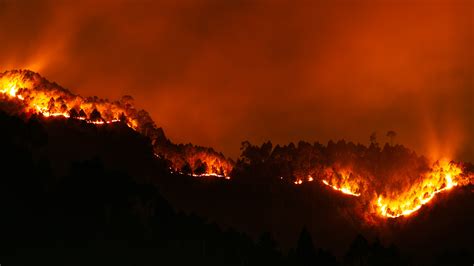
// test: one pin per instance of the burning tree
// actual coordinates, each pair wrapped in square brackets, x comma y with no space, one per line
[32,94]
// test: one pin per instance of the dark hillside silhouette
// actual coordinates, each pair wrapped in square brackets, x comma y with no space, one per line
[78,193]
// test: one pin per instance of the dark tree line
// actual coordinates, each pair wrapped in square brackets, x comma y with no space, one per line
[292,161]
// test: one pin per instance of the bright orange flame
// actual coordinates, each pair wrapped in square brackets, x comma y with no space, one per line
[444,176]
[10,86]
[343,181]
[300,181]
[53,101]
[36,95]
[345,190]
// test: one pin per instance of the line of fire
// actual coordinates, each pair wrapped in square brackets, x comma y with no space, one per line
[392,181]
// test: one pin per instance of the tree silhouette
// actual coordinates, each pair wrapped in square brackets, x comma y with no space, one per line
[359,252]
[82,114]
[373,138]
[305,252]
[123,118]
[51,105]
[63,108]
[268,253]
[95,115]
[73,113]
[391,135]
[200,167]
[186,169]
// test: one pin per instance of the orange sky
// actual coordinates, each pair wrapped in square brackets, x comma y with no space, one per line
[218,72]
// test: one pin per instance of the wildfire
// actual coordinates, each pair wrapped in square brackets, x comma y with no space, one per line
[342,181]
[345,190]
[444,176]
[35,95]
[10,86]
[41,97]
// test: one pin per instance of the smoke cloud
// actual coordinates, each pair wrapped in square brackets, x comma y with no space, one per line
[215,73]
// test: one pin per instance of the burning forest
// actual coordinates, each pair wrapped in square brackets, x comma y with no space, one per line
[211,132]
[24,92]
[390,182]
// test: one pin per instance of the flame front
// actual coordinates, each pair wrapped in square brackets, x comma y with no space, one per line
[53,101]
[443,176]
[343,181]
[346,190]
[35,95]
[346,174]
[390,202]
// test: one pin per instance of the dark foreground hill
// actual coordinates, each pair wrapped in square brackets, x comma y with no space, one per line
[74,193]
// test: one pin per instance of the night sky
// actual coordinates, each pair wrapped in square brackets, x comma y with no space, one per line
[216,73]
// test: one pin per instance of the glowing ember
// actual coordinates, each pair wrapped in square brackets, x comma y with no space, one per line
[211,175]
[298,182]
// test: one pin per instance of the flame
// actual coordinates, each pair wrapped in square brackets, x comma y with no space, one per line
[10,86]
[211,175]
[343,181]
[36,95]
[442,177]
[300,181]
[345,190]
[52,101]
[197,161]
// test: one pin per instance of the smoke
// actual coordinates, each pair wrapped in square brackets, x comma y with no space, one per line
[218,72]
